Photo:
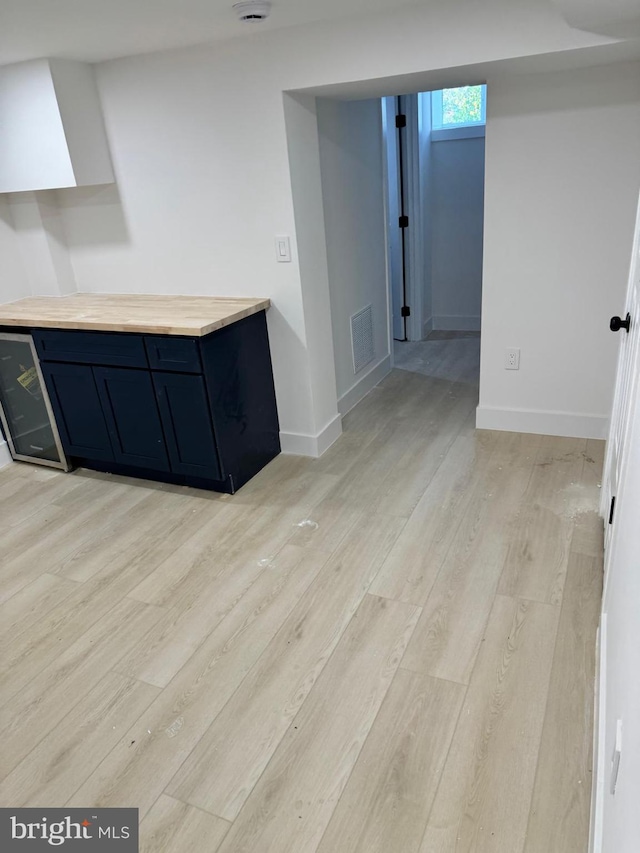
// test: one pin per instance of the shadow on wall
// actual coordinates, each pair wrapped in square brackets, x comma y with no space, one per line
[94,216]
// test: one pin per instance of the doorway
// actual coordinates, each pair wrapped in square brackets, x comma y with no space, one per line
[434,162]
[402,202]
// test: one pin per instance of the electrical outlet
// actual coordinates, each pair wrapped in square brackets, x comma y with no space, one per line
[512,359]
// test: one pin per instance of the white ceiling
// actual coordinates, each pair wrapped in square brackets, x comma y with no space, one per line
[95,30]
[618,18]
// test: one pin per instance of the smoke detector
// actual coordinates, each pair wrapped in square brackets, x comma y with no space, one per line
[253,10]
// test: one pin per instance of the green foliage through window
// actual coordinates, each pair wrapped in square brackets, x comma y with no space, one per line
[461,106]
[458,107]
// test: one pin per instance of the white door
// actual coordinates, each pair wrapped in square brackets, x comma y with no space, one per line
[394,234]
[620,418]
[616,813]
[620,730]
[405,181]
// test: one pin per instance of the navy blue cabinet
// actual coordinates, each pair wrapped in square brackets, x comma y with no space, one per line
[184,408]
[130,410]
[195,411]
[76,404]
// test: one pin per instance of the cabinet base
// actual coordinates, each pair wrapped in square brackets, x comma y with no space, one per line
[228,486]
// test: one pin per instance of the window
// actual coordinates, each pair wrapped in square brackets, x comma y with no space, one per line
[457,108]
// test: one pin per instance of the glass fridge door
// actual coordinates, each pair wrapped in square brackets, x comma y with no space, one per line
[25,410]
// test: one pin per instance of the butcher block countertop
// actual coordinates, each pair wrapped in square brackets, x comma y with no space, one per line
[155,315]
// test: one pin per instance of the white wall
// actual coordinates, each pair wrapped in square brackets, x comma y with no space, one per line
[199,148]
[353,192]
[14,283]
[41,240]
[306,186]
[562,177]
[456,204]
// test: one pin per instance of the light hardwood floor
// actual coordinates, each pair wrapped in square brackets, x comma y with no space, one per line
[443,355]
[386,650]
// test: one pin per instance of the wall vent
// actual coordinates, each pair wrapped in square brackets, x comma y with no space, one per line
[362,338]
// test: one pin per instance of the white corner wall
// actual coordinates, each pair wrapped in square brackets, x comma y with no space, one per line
[456,206]
[350,134]
[39,234]
[14,283]
[562,178]
[306,187]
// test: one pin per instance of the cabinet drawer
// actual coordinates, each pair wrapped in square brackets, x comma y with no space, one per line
[171,353]
[120,350]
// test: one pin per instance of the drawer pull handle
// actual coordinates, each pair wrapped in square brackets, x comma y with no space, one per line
[35,447]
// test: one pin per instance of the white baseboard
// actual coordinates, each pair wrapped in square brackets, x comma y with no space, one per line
[299,444]
[599,731]
[427,328]
[542,423]
[457,323]
[362,387]
[5,456]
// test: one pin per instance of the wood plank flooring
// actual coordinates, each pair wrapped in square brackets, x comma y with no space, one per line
[444,354]
[390,648]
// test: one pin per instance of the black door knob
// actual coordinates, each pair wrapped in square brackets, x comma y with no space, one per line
[618,323]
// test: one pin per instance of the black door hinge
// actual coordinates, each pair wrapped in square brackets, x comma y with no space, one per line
[401,121]
[403,222]
[405,311]
[613,506]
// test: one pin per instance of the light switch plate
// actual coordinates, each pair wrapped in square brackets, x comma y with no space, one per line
[283,249]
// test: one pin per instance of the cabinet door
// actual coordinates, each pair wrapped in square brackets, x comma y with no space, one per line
[186,419]
[75,402]
[130,409]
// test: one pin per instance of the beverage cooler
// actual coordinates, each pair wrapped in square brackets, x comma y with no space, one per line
[27,419]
